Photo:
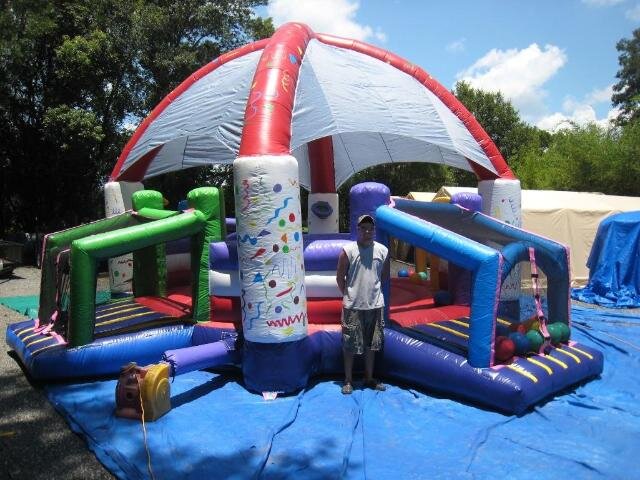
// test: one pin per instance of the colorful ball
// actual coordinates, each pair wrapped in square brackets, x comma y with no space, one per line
[403,273]
[535,325]
[504,349]
[423,276]
[521,342]
[535,339]
[558,331]
[565,332]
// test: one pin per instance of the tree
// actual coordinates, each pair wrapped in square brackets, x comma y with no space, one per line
[75,73]
[627,91]
[502,122]
[587,158]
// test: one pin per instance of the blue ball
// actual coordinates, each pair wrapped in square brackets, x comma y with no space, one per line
[403,273]
[522,343]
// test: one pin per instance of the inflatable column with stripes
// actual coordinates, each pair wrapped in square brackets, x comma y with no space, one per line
[271,265]
[269,228]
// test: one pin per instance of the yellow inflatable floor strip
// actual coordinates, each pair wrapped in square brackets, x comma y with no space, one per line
[541,365]
[559,362]
[461,323]
[48,347]
[519,369]
[503,322]
[25,339]
[117,320]
[26,330]
[124,310]
[447,329]
[121,300]
[43,339]
[589,356]
[112,308]
[569,354]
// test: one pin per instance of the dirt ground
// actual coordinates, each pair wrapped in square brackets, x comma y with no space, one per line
[35,441]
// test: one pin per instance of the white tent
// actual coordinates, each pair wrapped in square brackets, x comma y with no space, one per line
[571,218]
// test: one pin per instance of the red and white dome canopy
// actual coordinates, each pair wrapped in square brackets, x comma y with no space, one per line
[275,96]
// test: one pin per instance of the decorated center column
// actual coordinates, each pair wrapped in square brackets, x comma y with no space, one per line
[271,268]
[501,199]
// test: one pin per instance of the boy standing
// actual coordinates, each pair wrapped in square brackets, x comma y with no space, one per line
[362,267]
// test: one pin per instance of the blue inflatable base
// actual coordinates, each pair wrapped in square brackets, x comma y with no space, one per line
[288,367]
[104,356]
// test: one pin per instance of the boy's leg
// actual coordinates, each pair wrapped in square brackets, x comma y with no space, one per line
[373,342]
[348,366]
[369,361]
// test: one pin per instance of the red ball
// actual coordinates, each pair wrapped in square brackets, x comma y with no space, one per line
[504,349]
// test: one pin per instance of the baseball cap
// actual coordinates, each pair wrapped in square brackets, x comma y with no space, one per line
[366,218]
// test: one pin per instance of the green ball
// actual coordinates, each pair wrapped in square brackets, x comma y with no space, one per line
[535,339]
[565,332]
[555,332]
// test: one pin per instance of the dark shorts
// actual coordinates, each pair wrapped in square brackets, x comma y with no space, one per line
[362,329]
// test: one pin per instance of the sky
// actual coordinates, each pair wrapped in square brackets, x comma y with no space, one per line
[555,60]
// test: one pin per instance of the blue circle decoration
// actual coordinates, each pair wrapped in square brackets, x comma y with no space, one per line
[277,187]
[321,209]
[296,236]
[278,309]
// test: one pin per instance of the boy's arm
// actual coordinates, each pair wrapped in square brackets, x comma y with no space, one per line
[386,269]
[341,271]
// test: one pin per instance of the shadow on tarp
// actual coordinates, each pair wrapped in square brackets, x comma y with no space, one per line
[219,430]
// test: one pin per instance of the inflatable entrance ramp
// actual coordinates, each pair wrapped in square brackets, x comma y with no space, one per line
[500,334]
[73,336]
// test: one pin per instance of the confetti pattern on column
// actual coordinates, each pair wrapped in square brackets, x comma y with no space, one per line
[270,249]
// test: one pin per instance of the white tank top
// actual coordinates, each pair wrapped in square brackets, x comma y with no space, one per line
[363,289]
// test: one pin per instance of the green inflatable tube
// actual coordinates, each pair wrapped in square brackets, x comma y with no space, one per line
[86,252]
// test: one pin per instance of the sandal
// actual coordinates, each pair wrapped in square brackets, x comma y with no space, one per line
[347,389]
[374,384]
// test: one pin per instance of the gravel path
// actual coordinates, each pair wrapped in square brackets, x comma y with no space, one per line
[35,442]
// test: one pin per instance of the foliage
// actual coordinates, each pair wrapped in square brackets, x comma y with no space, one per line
[586,159]
[502,122]
[75,73]
[627,91]
[401,178]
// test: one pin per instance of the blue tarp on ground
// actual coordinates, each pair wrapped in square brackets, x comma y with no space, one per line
[217,429]
[614,264]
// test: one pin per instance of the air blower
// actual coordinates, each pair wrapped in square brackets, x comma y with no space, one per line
[143,392]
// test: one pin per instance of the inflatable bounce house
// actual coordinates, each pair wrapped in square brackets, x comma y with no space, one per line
[490,324]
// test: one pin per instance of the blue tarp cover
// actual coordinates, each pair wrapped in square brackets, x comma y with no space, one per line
[614,264]
[217,429]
